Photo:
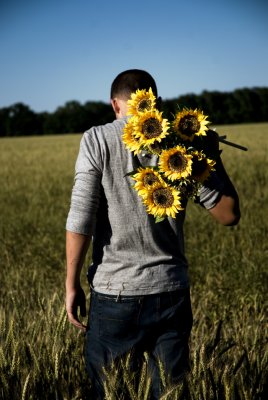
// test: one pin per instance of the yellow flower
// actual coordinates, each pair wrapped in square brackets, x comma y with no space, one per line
[141,101]
[155,148]
[201,166]
[175,163]
[162,201]
[146,178]
[129,138]
[150,127]
[190,123]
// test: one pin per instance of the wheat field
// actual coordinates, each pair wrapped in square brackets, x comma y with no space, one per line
[41,354]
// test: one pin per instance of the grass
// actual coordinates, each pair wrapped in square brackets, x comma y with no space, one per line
[41,354]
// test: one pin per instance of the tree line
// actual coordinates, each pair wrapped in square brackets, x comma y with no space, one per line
[240,106]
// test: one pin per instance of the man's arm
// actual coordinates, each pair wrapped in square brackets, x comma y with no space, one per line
[81,222]
[76,248]
[224,207]
[227,210]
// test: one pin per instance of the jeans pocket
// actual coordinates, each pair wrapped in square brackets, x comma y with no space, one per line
[181,311]
[118,320]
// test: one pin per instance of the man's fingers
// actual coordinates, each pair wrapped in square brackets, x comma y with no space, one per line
[75,321]
[211,144]
[76,300]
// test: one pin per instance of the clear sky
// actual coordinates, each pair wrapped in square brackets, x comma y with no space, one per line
[54,51]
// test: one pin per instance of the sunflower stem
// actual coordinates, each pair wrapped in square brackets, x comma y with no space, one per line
[238,146]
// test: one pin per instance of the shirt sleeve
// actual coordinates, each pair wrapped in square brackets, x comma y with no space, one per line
[85,196]
[211,191]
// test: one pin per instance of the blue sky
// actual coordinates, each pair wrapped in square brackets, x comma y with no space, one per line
[55,51]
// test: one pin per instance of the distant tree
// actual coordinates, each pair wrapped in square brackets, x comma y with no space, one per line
[66,119]
[262,93]
[4,121]
[169,107]
[172,106]
[74,117]
[18,120]
[188,100]
[98,113]
[241,105]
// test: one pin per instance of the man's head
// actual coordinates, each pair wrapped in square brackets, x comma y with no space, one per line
[128,82]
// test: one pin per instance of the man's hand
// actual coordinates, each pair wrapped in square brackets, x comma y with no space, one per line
[213,141]
[75,298]
[76,249]
[210,144]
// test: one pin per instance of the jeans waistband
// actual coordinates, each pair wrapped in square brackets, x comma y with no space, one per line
[125,298]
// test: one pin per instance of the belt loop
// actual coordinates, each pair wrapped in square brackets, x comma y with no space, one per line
[117,300]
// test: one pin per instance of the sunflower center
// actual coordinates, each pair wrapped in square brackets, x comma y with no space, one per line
[151,128]
[149,179]
[163,197]
[155,148]
[144,104]
[177,162]
[198,166]
[135,138]
[189,125]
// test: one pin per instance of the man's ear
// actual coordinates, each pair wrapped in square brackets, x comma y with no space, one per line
[116,106]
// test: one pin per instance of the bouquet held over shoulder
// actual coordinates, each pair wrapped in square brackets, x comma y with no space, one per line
[185,159]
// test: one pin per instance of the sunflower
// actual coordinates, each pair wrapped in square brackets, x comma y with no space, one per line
[162,201]
[150,127]
[130,140]
[145,178]
[155,148]
[141,101]
[175,163]
[190,123]
[201,166]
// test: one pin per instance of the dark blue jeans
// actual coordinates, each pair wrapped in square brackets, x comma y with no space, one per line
[158,324]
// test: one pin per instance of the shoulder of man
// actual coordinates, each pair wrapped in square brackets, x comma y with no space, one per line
[99,139]
[106,129]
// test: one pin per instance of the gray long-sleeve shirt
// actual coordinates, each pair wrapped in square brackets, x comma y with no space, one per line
[131,253]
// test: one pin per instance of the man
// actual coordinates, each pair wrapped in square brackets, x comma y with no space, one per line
[140,300]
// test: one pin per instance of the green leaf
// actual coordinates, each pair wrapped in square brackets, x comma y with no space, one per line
[159,219]
[131,173]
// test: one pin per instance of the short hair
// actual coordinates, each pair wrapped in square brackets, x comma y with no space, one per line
[129,81]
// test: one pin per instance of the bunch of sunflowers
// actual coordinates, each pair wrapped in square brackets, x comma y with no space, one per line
[181,146]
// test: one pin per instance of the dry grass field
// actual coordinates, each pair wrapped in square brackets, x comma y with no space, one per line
[41,354]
